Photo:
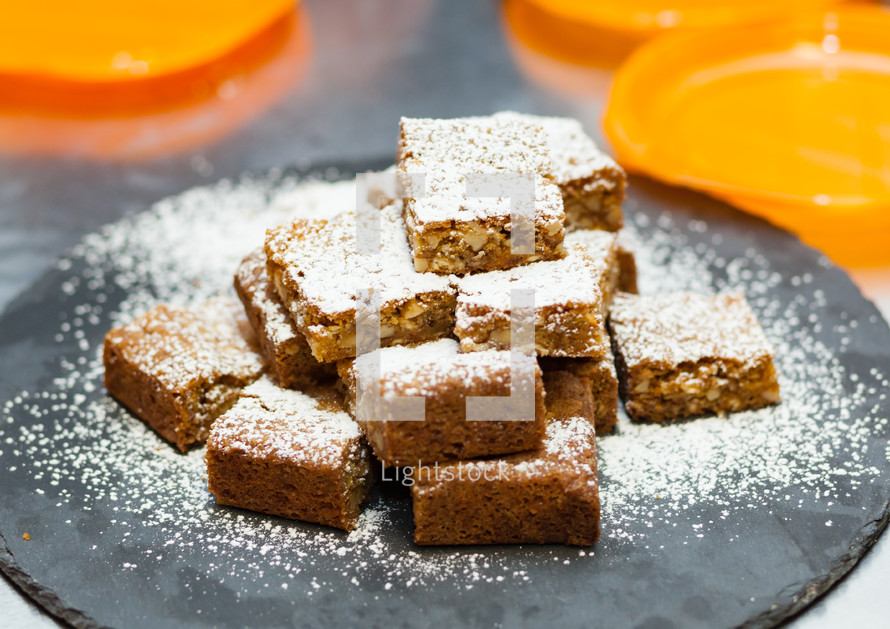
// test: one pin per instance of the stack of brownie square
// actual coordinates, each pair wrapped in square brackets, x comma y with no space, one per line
[410,297]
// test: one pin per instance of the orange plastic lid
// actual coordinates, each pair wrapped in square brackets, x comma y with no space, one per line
[155,115]
[777,118]
[108,40]
[651,17]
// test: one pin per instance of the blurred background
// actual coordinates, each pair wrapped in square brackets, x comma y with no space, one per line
[779,107]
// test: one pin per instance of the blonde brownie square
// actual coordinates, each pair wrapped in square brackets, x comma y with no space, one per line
[569,315]
[288,354]
[289,453]
[319,270]
[444,379]
[179,368]
[591,183]
[455,227]
[685,354]
[549,495]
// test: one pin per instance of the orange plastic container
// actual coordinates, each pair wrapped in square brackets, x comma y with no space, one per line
[104,40]
[198,86]
[641,19]
[788,120]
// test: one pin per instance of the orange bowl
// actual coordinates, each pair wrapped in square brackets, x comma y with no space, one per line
[641,19]
[788,119]
[108,40]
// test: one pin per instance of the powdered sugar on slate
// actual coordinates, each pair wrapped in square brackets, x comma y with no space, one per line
[186,249]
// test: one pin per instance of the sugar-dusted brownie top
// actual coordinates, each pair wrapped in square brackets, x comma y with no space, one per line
[573,154]
[183,346]
[253,278]
[568,441]
[670,329]
[429,369]
[321,263]
[599,244]
[306,429]
[446,152]
[572,280]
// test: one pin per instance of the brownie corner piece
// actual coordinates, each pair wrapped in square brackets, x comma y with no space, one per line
[179,368]
[444,378]
[290,453]
[456,229]
[684,354]
[286,350]
[549,495]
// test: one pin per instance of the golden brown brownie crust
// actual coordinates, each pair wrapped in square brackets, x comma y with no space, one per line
[548,495]
[683,354]
[179,368]
[292,454]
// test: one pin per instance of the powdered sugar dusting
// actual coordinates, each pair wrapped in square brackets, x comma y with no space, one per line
[420,370]
[179,346]
[574,155]
[268,421]
[653,478]
[575,279]
[685,327]
[310,262]
[448,152]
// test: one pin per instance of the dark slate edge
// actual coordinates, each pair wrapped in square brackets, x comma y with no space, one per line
[43,596]
[801,597]
[809,592]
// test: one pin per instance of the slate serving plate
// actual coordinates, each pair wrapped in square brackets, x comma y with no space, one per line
[123,533]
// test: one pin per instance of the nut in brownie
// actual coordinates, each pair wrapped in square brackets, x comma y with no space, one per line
[478,194]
